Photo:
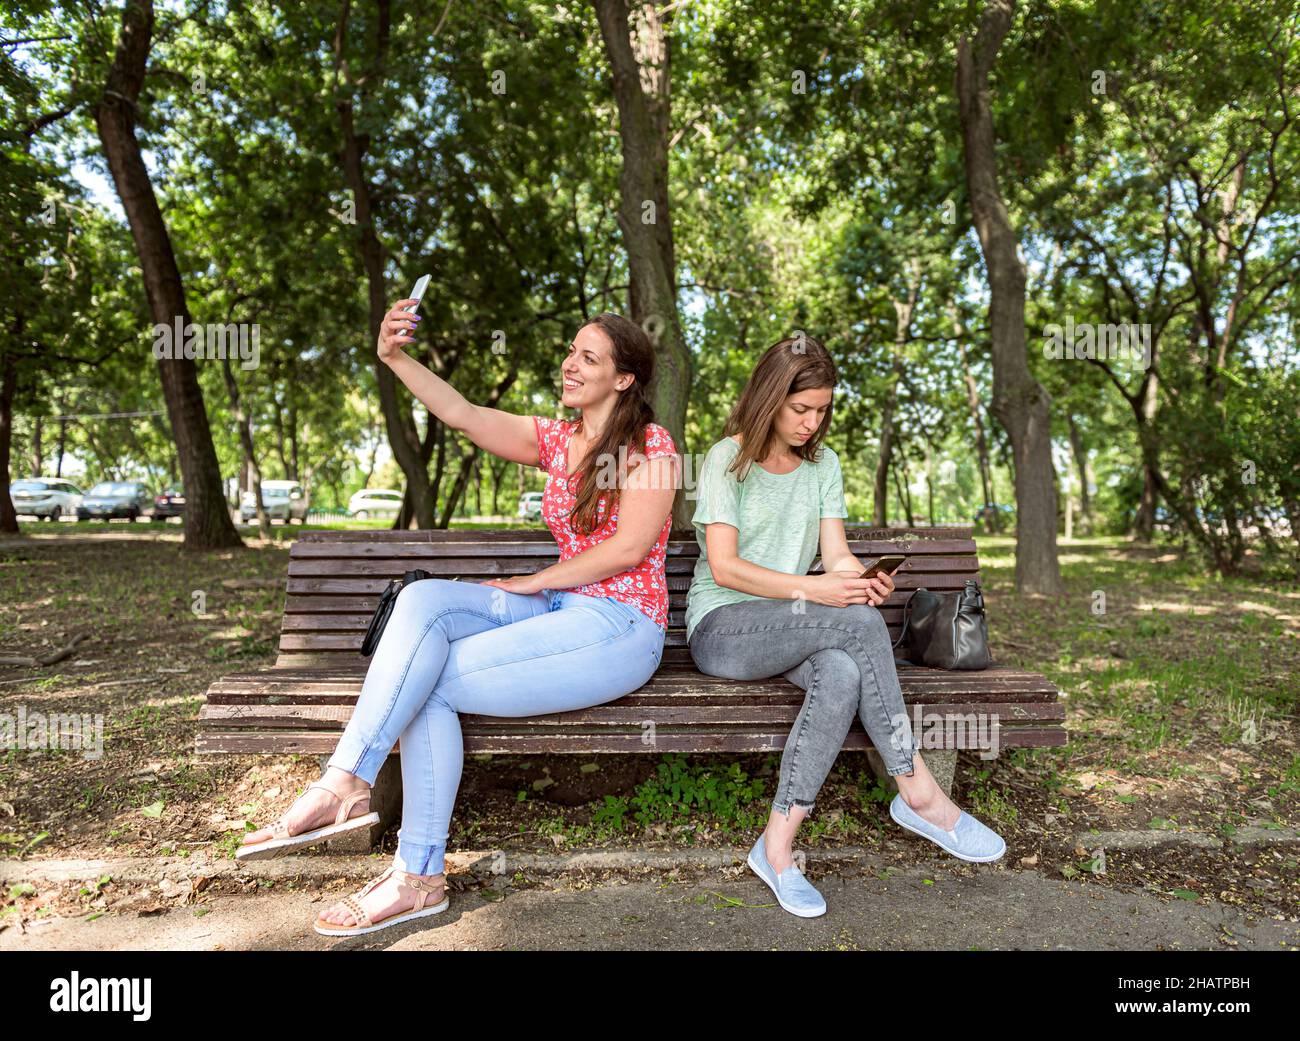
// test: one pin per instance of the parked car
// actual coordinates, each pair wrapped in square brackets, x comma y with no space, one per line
[995,513]
[530,506]
[1167,518]
[170,502]
[109,499]
[48,498]
[375,502]
[1276,521]
[282,500]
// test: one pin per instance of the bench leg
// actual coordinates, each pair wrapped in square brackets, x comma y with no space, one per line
[942,763]
[385,799]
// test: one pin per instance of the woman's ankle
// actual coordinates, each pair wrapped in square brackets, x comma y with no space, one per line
[337,777]
[777,849]
[919,792]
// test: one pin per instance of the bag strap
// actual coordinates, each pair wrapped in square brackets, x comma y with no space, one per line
[907,619]
[385,608]
[380,618]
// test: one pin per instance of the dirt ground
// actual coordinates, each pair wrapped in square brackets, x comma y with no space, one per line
[1181,697]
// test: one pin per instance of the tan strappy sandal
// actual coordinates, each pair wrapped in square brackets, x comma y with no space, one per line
[282,842]
[422,888]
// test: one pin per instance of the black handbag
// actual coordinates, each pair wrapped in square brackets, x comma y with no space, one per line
[385,608]
[946,630]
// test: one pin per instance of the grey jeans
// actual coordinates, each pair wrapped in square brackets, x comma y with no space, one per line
[841,656]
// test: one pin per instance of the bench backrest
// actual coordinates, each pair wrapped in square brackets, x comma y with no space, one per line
[335,577]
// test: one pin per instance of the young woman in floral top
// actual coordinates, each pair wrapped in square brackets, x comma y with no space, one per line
[581,632]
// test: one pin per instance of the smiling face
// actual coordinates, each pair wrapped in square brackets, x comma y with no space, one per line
[588,375]
[798,418]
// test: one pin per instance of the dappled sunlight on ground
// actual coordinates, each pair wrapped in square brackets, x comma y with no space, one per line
[1170,607]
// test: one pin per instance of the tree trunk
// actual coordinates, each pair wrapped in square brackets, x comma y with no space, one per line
[1144,525]
[294,473]
[1081,463]
[994,521]
[207,517]
[458,487]
[903,310]
[374,456]
[38,461]
[641,90]
[245,424]
[903,485]
[880,497]
[8,387]
[975,405]
[498,472]
[929,481]
[468,457]
[1020,402]
[62,442]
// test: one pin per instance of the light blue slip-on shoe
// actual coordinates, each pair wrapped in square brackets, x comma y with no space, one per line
[968,840]
[793,892]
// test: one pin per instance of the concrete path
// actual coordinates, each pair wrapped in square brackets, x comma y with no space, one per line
[702,900]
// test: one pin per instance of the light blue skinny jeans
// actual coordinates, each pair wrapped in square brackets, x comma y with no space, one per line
[455,646]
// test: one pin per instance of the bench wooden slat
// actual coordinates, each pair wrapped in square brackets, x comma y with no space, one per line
[688,739]
[918,685]
[352,669]
[335,717]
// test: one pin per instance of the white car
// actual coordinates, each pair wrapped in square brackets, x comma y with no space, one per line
[282,500]
[375,502]
[530,506]
[46,497]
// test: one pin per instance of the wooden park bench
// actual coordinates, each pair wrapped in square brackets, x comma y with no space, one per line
[301,704]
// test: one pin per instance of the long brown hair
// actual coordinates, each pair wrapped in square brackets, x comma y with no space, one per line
[632,352]
[787,367]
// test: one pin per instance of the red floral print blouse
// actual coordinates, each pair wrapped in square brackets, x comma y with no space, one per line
[645,586]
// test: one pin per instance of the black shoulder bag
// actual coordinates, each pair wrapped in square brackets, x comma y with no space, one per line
[946,630]
[385,608]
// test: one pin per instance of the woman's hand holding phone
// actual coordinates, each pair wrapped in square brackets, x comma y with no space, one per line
[842,588]
[397,329]
[881,586]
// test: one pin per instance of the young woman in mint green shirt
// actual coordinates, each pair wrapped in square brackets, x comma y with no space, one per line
[770,496]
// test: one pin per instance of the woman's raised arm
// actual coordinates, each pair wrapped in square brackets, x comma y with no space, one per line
[504,434]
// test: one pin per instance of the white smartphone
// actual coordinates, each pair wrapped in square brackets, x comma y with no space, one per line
[417,294]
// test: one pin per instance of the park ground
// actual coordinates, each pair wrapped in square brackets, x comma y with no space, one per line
[1180,784]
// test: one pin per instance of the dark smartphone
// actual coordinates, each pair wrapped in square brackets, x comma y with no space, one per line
[883,566]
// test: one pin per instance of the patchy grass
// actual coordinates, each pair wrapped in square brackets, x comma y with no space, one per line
[1181,697]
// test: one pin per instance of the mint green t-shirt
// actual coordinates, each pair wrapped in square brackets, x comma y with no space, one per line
[778,517]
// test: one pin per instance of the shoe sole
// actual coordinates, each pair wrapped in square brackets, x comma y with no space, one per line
[944,846]
[793,910]
[276,847]
[410,916]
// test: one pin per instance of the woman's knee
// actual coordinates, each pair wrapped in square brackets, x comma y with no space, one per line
[870,625]
[415,607]
[420,595]
[837,677]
